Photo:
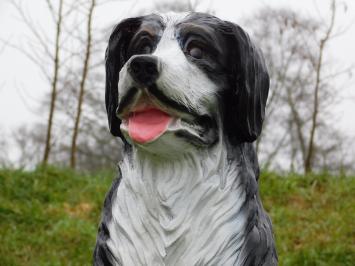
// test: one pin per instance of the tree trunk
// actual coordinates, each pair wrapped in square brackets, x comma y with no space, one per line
[310,151]
[47,148]
[73,149]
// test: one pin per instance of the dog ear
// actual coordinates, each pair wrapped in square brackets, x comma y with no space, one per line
[245,100]
[116,56]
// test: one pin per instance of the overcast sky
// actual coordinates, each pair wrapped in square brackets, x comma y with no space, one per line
[22,85]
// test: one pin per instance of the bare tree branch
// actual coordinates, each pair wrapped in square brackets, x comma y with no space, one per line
[54,85]
[43,40]
[322,44]
[73,148]
[291,45]
[52,11]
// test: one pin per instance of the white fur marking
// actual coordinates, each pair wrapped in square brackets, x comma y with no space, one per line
[174,212]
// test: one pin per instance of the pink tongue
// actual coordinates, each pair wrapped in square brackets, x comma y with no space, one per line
[147,125]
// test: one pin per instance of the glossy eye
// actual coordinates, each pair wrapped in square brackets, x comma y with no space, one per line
[195,51]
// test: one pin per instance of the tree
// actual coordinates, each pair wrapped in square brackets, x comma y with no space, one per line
[41,53]
[30,145]
[82,86]
[318,65]
[80,102]
[72,75]
[298,127]
[56,65]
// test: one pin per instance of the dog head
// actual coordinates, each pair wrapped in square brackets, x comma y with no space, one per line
[186,77]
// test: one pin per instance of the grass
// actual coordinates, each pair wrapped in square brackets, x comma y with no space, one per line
[50,216]
[313,218]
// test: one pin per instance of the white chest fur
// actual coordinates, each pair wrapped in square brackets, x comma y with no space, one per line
[183,211]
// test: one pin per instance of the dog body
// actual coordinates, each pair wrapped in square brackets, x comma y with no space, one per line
[187,191]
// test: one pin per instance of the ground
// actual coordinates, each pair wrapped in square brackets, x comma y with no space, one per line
[50,216]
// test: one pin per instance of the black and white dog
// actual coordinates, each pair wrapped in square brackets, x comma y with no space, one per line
[186,93]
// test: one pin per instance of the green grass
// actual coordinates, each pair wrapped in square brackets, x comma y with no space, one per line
[313,218]
[49,217]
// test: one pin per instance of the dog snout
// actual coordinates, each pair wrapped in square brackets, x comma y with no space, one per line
[144,69]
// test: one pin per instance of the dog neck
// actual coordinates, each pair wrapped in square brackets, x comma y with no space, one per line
[168,211]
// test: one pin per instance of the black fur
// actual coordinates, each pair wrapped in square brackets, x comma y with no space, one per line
[240,65]
[259,246]
[102,254]
[245,104]
[117,55]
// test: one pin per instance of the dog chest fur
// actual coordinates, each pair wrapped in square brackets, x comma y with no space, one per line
[179,211]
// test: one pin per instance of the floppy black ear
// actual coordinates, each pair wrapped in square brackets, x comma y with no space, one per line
[115,59]
[245,99]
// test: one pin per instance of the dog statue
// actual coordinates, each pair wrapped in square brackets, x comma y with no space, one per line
[186,93]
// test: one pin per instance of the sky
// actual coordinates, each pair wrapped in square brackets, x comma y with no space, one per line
[22,86]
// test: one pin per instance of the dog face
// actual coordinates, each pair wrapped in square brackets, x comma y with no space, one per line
[181,80]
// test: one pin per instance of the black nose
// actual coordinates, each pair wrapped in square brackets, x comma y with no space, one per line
[144,69]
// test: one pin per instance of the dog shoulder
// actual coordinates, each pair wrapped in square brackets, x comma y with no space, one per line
[259,247]
[102,254]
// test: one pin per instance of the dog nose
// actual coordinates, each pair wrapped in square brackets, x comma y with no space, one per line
[144,69]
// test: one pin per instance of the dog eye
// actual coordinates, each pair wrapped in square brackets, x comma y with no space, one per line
[195,52]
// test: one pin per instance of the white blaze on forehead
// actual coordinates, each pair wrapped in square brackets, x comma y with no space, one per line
[181,79]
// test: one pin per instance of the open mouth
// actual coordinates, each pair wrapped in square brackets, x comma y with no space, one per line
[145,118]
